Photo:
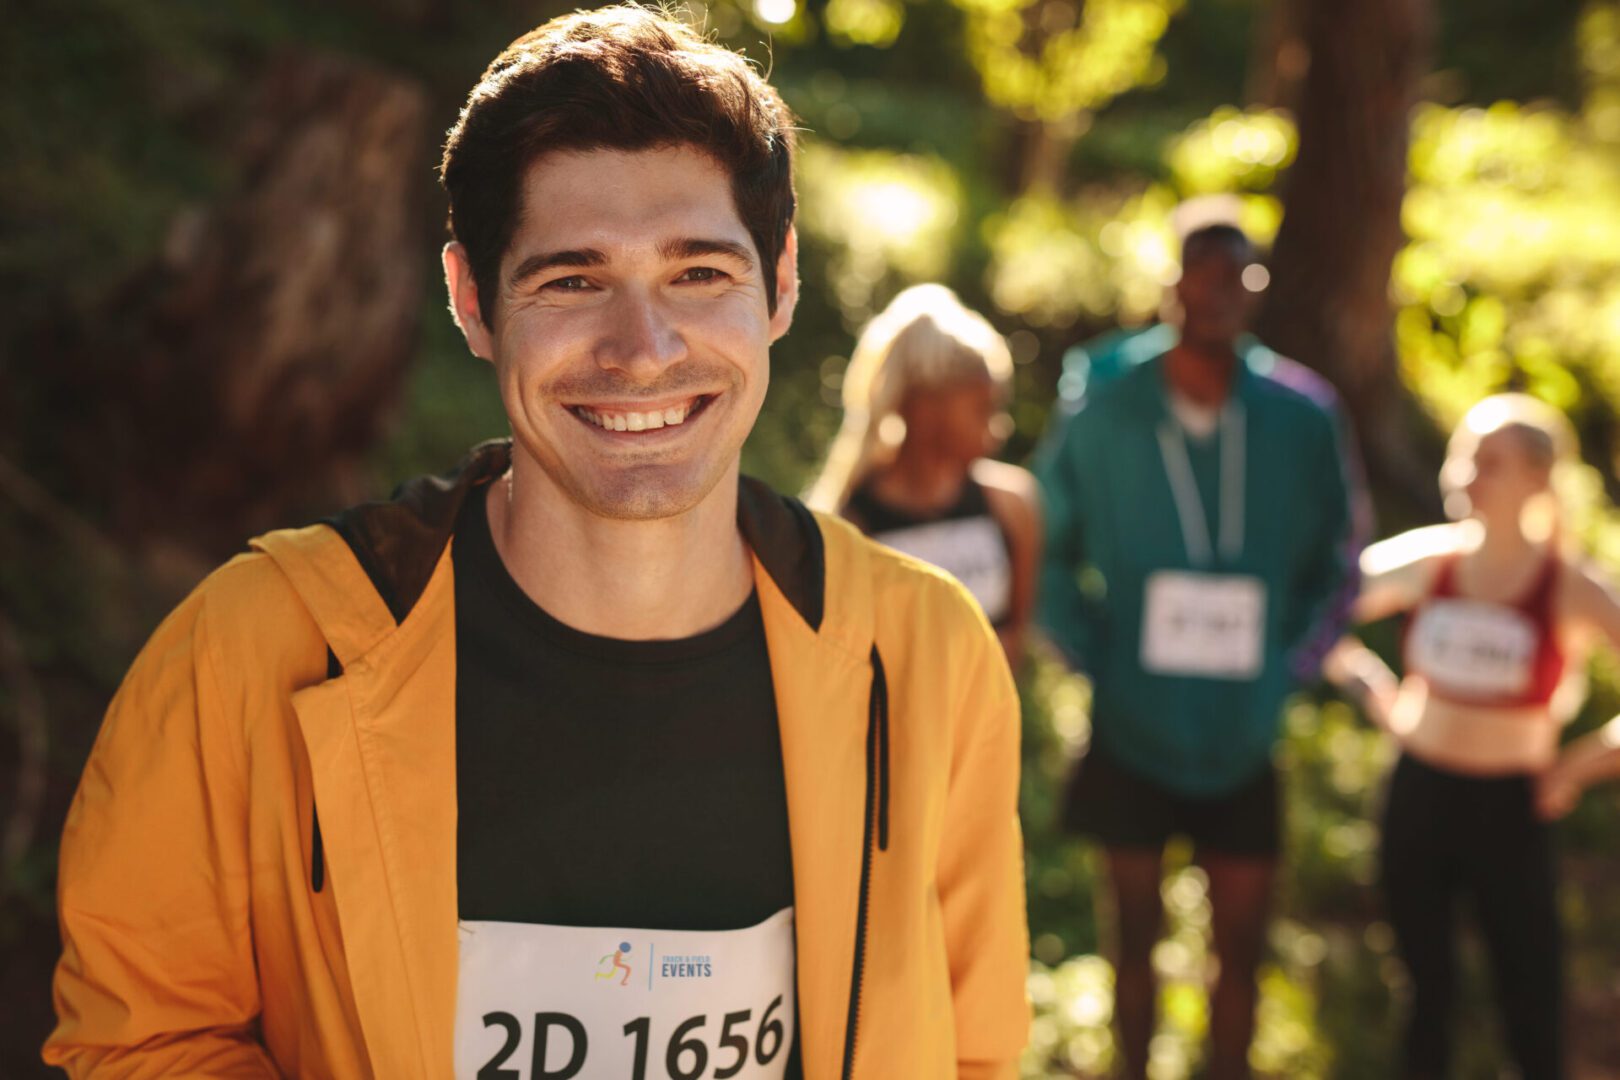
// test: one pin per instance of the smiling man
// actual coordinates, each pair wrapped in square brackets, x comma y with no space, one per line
[589,757]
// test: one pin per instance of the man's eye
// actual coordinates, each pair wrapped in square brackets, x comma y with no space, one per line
[702,274]
[567,284]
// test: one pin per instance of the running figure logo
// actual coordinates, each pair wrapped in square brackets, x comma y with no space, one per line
[618,963]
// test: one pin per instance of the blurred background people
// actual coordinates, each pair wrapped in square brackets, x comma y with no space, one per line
[925,399]
[1500,618]
[1199,543]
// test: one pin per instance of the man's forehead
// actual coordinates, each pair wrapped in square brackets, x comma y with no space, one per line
[628,200]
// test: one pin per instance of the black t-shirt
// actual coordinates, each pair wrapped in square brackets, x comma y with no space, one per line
[611,783]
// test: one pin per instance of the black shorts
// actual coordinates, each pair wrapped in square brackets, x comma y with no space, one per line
[1123,809]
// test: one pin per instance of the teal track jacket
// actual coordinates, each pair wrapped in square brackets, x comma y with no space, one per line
[1112,521]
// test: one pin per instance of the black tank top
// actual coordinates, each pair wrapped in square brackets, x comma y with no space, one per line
[965,540]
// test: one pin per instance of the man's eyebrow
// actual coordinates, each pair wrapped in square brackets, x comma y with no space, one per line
[578,258]
[688,247]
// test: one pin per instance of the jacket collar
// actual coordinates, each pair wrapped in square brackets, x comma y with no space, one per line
[398,542]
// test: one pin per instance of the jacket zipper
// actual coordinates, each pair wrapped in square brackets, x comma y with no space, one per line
[877,821]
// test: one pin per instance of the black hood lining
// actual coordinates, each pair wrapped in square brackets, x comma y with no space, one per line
[398,542]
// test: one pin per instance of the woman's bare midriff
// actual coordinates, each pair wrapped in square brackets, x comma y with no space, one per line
[1479,740]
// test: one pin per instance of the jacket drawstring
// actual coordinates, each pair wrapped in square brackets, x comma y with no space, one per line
[877,813]
[880,714]
[317,854]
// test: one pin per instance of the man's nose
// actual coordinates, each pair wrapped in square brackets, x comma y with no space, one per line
[641,338]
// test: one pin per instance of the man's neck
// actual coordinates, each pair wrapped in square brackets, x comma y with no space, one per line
[1201,373]
[668,578]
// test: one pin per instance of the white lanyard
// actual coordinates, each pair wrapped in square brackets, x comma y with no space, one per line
[1184,488]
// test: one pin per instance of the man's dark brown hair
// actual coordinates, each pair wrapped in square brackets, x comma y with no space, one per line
[621,78]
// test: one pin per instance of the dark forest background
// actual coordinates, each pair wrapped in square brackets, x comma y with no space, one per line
[220,312]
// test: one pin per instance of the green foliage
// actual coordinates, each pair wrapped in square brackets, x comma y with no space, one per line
[1232,151]
[1051,60]
[1061,878]
[89,182]
[1512,275]
[887,218]
[864,22]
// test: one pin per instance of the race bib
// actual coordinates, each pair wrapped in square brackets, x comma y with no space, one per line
[555,1002]
[1208,625]
[1483,649]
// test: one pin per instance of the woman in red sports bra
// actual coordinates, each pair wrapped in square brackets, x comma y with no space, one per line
[1499,625]
[1486,654]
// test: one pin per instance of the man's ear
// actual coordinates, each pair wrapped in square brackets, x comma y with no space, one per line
[464,306]
[787,284]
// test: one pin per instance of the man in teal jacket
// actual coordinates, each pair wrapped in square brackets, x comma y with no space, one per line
[1200,553]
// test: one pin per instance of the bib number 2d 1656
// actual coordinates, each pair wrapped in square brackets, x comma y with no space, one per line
[561,1046]
[538,1002]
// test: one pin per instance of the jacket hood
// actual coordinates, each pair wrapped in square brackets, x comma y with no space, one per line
[398,542]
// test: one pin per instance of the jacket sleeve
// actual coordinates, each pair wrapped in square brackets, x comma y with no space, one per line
[981,872]
[157,971]
[1060,605]
[1340,522]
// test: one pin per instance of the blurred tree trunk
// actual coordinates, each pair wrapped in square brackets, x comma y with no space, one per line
[235,384]
[1279,57]
[228,383]
[1328,304]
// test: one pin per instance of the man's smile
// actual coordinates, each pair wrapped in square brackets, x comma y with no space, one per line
[642,418]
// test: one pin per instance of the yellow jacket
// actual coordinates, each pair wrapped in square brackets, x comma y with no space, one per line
[215,925]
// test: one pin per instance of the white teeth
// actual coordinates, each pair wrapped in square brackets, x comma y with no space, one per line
[635,421]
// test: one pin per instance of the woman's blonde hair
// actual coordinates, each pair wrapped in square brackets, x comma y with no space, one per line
[925,338]
[1543,433]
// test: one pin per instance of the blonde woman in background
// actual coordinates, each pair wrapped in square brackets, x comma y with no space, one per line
[1500,621]
[924,405]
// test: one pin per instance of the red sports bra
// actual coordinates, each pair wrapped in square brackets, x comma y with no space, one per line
[1475,652]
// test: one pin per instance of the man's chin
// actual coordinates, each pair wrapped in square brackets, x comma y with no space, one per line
[644,494]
